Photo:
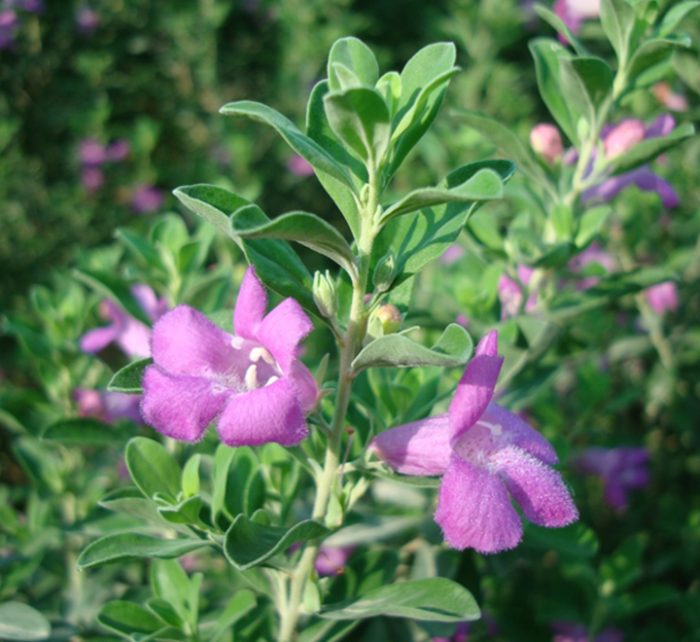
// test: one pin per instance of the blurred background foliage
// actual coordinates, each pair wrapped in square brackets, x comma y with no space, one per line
[106,106]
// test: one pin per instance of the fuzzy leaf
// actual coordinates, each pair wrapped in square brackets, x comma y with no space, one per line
[128,378]
[152,468]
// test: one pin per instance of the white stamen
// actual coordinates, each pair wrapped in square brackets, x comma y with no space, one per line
[272,379]
[251,377]
[496,429]
[258,353]
[237,342]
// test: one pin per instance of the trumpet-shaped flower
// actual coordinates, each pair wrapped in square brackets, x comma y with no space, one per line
[251,380]
[130,334]
[486,456]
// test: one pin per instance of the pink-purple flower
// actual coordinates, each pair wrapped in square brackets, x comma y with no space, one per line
[331,560]
[147,199]
[620,139]
[574,12]
[510,293]
[9,24]
[252,380]
[593,255]
[572,632]
[545,139]
[621,470]
[662,297]
[300,166]
[107,406]
[486,456]
[130,334]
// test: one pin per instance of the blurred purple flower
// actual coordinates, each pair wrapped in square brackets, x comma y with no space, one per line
[92,179]
[30,6]
[107,406]
[8,28]
[452,254]
[545,139]
[332,559]
[574,12]
[486,456]
[117,151]
[299,166]
[463,320]
[461,634]
[252,381]
[130,334]
[619,139]
[573,632]
[510,293]
[662,297]
[87,20]
[621,470]
[593,254]
[91,152]
[668,98]
[147,199]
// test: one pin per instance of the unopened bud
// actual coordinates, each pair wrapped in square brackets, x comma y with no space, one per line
[623,137]
[324,294]
[384,273]
[546,141]
[386,319]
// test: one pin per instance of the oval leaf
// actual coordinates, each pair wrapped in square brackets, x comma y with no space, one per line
[152,468]
[19,621]
[214,204]
[128,378]
[356,56]
[453,348]
[126,618]
[435,599]
[113,548]
[248,543]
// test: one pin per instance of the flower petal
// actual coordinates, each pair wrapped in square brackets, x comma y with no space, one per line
[282,330]
[147,299]
[179,407]
[646,180]
[185,342]
[661,126]
[474,510]
[99,338]
[250,306]
[475,390]
[419,448]
[538,489]
[270,413]
[135,339]
[306,386]
[518,432]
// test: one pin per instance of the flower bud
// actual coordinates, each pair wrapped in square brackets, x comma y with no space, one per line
[386,319]
[324,294]
[384,273]
[546,141]
[623,137]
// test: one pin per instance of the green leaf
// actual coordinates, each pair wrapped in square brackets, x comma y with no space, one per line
[318,128]
[249,544]
[423,67]
[590,225]
[389,86]
[21,622]
[113,548]
[547,54]
[238,484]
[649,149]
[299,142]
[621,26]
[152,467]
[356,56]
[503,138]
[360,118]
[307,229]
[576,540]
[126,618]
[171,584]
[453,348]
[674,15]
[239,605]
[190,476]
[140,247]
[214,204]
[84,431]
[435,599]
[485,185]
[653,53]
[416,239]
[276,263]
[596,76]
[560,27]
[128,379]
[113,288]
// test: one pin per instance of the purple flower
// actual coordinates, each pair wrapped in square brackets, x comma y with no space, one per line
[621,469]
[331,560]
[130,334]
[620,139]
[452,254]
[92,179]
[668,98]
[30,6]
[574,12]
[107,406]
[486,456]
[510,293]
[662,297]
[594,254]
[91,152]
[252,380]
[461,634]
[146,199]
[300,166]
[545,139]
[87,20]
[573,632]
[8,28]
[117,151]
